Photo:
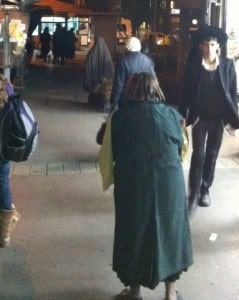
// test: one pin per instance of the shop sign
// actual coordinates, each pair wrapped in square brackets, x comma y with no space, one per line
[5,8]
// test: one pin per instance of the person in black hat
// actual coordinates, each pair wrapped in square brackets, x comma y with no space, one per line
[208,103]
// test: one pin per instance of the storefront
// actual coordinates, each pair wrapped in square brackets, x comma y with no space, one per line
[13,34]
[81,28]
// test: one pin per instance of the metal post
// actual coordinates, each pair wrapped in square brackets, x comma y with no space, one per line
[155,16]
[183,47]
[6,48]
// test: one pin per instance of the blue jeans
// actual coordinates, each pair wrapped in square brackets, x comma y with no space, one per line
[5,191]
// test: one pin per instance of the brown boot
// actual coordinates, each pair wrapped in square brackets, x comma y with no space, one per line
[8,221]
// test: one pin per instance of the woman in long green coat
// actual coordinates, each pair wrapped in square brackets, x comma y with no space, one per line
[152,240]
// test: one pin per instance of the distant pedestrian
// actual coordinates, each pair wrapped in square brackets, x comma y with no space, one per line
[134,61]
[71,40]
[56,43]
[64,46]
[208,103]
[45,39]
[99,72]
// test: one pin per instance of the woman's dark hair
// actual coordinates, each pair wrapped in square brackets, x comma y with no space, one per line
[143,87]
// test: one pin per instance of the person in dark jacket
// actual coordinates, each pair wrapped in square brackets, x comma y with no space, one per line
[45,39]
[134,61]
[9,216]
[71,40]
[64,45]
[208,103]
[152,241]
[56,43]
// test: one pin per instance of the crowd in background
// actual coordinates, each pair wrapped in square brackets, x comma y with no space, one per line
[59,47]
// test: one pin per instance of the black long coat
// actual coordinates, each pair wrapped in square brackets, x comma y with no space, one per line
[99,64]
[191,86]
[152,237]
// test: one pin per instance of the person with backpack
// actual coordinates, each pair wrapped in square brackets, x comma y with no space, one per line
[9,216]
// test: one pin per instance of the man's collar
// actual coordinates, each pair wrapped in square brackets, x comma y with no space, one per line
[212,66]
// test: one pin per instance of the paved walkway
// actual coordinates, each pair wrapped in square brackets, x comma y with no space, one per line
[62,247]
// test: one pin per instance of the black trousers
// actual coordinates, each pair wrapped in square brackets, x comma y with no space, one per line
[207,137]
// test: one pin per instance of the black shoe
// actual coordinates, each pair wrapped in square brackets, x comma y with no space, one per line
[204,200]
[192,205]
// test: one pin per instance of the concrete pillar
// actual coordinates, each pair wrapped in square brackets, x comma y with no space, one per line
[106,26]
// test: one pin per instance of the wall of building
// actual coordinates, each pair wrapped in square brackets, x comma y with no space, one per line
[106,26]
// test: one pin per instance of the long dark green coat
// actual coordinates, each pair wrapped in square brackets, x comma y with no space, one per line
[152,236]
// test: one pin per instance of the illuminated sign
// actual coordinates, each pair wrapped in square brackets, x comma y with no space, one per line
[9,8]
[175,11]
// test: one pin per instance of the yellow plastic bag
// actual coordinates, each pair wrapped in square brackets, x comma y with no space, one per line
[185,147]
[106,158]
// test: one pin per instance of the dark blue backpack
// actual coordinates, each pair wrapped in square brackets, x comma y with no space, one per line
[18,130]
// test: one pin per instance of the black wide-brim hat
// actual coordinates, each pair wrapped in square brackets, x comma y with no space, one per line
[211,31]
